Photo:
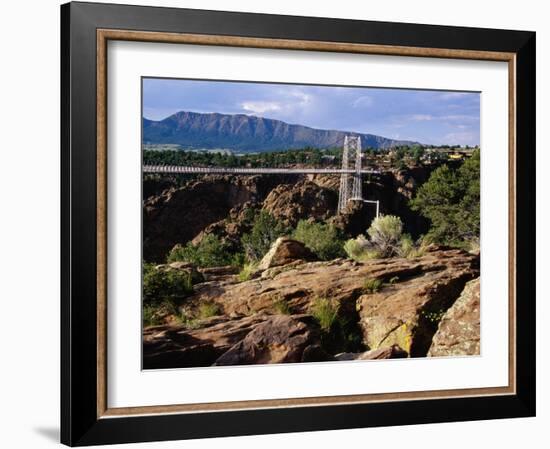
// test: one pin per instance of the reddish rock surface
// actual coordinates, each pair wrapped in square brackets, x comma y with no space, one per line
[279,339]
[290,203]
[284,251]
[458,333]
[399,319]
[406,311]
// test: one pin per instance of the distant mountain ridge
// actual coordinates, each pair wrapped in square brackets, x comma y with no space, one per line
[247,133]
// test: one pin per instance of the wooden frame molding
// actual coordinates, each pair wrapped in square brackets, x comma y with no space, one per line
[106,35]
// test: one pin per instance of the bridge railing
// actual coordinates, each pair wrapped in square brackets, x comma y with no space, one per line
[245,170]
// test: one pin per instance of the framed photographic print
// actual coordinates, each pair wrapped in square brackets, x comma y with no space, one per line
[280,224]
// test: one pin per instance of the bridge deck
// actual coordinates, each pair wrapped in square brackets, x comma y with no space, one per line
[249,171]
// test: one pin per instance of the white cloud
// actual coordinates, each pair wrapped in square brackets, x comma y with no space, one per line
[421,117]
[362,102]
[260,107]
[303,97]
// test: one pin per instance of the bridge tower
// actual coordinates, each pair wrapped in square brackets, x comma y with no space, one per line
[350,183]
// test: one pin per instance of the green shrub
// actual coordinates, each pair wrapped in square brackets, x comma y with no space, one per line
[281,307]
[265,230]
[208,309]
[372,285]
[209,252]
[321,238]
[385,234]
[246,273]
[355,248]
[150,316]
[188,320]
[360,249]
[238,260]
[160,285]
[325,312]
[338,333]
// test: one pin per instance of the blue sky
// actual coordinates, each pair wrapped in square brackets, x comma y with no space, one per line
[430,117]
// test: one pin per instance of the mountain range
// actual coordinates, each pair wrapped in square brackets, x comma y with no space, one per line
[247,133]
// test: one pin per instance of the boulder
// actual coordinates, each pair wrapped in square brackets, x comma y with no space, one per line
[185,267]
[181,346]
[458,331]
[279,339]
[283,251]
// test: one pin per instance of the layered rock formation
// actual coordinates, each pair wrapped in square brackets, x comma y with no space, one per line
[272,317]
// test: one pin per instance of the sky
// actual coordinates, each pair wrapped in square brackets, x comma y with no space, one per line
[426,116]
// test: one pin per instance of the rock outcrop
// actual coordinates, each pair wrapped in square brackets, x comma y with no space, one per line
[458,332]
[279,339]
[290,203]
[177,215]
[185,267]
[284,251]
[180,346]
[299,284]
[271,317]
[407,311]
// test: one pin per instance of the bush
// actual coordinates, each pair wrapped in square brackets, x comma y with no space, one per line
[355,248]
[325,312]
[281,307]
[385,234]
[409,249]
[321,238]
[150,316]
[372,285]
[338,333]
[160,285]
[208,309]
[246,272]
[360,249]
[265,230]
[210,252]
[450,200]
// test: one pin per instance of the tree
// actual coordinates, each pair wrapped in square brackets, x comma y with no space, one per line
[450,200]
[265,230]
[417,153]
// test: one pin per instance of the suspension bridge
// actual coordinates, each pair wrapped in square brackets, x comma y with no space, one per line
[351,172]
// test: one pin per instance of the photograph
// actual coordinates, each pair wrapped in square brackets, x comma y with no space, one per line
[295,223]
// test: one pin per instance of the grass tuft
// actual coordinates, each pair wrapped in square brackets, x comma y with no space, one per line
[325,312]
[372,285]
[208,309]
